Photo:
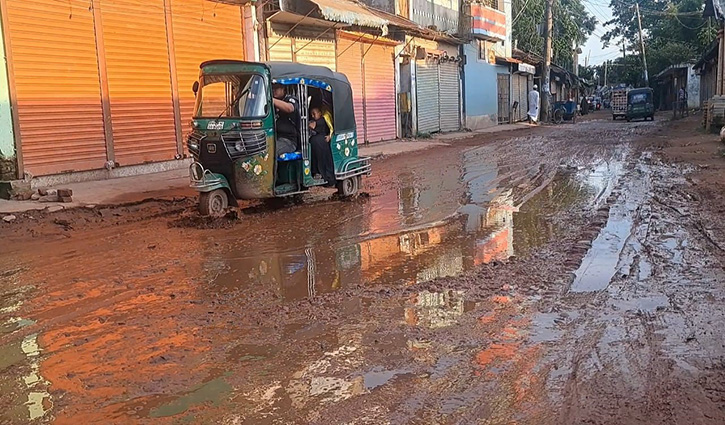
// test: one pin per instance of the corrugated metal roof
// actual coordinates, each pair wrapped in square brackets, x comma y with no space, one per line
[413,28]
[344,11]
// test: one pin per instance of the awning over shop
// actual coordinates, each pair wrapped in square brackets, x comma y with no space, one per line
[343,11]
[295,19]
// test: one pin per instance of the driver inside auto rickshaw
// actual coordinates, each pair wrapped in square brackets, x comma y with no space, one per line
[287,119]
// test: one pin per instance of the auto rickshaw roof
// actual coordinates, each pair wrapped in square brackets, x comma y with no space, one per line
[289,72]
[641,90]
[286,70]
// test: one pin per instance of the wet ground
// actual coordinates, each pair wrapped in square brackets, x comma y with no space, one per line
[563,275]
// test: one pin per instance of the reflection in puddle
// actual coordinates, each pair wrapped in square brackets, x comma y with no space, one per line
[474,234]
[436,309]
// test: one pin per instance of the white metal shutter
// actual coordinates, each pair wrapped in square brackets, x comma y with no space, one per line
[427,101]
[450,107]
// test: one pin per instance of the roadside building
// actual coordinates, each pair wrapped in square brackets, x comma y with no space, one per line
[344,36]
[95,84]
[674,78]
[706,67]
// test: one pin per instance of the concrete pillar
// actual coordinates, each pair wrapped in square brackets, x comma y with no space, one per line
[8,158]
[250,31]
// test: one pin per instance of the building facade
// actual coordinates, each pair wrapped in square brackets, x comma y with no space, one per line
[102,88]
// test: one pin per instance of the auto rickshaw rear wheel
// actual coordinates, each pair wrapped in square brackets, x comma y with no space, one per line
[349,187]
[213,203]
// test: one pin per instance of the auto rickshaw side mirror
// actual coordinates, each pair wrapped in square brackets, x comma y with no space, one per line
[195,88]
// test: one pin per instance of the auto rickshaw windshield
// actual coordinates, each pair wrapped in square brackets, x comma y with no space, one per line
[639,98]
[232,96]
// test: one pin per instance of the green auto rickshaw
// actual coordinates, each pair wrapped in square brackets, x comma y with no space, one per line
[233,136]
[640,104]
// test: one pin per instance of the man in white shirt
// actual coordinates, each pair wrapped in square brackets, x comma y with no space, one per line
[534,105]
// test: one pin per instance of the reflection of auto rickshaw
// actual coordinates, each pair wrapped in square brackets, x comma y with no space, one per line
[233,136]
[640,104]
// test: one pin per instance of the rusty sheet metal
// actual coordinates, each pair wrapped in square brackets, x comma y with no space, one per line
[58,88]
[344,11]
[200,36]
[139,80]
[380,116]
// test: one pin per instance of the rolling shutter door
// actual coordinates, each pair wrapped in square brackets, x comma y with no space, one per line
[520,94]
[427,100]
[280,48]
[350,63]
[317,52]
[449,97]
[58,89]
[380,123]
[139,81]
[301,46]
[218,35]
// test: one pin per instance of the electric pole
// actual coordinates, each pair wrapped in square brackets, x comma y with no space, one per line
[641,41]
[605,72]
[546,78]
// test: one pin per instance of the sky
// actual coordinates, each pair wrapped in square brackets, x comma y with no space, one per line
[593,48]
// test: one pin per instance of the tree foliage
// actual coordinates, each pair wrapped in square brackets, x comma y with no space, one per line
[572,26]
[674,32]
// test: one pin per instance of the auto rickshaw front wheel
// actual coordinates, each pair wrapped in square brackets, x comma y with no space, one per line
[213,203]
[349,187]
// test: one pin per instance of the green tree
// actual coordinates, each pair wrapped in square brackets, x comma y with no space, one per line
[674,31]
[572,25]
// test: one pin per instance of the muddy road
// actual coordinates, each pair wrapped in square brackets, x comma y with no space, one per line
[563,275]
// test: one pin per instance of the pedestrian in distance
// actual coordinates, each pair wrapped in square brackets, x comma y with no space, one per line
[534,105]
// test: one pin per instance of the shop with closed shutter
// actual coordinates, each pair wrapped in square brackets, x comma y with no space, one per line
[54,74]
[368,64]
[521,85]
[98,86]
[437,88]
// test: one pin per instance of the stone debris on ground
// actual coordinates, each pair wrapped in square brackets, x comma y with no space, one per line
[9,218]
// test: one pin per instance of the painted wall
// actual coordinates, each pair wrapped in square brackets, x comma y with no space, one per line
[443,14]
[7,141]
[481,92]
[693,88]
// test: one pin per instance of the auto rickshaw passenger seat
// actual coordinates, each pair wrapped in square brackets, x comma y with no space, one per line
[291,156]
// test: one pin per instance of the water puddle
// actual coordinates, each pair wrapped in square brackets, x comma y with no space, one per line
[209,392]
[332,257]
[600,264]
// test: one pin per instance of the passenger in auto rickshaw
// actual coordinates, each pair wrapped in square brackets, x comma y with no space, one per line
[321,132]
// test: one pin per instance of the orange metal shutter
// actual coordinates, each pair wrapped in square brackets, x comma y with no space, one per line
[349,62]
[58,89]
[320,52]
[202,31]
[139,80]
[279,47]
[380,123]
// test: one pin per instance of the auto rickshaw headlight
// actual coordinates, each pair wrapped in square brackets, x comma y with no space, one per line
[195,125]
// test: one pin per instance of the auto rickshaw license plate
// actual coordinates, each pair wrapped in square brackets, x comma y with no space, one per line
[211,147]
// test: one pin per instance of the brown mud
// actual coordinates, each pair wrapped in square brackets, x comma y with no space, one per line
[561,275]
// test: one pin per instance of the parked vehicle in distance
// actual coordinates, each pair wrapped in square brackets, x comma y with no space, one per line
[640,104]
[619,103]
[597,103]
